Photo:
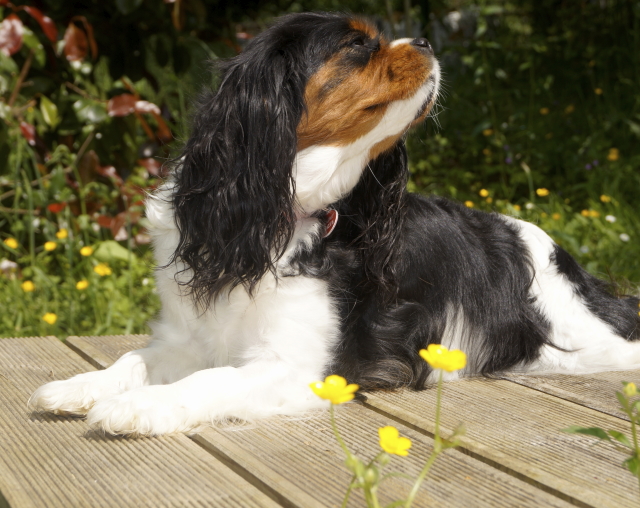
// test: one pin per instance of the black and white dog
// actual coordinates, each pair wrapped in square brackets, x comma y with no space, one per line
[288,249]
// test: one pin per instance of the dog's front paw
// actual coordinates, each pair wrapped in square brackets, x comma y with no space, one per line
[147,411]
[74,396]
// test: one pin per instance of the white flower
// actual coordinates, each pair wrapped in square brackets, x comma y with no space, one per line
[145,281]
[529,206]
[610,218]
[7,266]
[584,249]
[624,237]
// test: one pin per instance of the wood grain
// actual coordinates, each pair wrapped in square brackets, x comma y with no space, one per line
[56,461]
[300,459]
[596,391]
[519,429]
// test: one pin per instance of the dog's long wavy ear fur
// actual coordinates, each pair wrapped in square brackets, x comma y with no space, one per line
[233,201]
[376,211]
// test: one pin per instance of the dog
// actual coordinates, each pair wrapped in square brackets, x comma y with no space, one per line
[288,249]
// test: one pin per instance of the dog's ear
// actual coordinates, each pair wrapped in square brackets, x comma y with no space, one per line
[376,211]
[233,199]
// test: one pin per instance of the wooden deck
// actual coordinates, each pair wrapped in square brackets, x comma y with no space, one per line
[513,455]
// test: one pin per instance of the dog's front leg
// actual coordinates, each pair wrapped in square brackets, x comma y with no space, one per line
[256,390]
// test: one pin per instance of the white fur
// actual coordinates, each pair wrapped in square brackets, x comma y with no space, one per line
[592,344]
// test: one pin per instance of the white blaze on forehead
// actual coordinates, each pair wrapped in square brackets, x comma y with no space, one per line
[326,173]
[397,42]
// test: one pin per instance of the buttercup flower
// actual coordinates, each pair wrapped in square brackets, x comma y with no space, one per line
[544,111]
[49,246]
[594,214]
[484,193]
[542,192]
[613,155]
[334,389]
[556,216]
[86,251]
[489,200]
[62,234]
[569,109]
[584,213]
[517,208]
[102,269]
[439,357]
[486,152]
[28,286]
[469,204]
[630,389]
[605,199]
[392,442]
[598,91]
[82,284]
[11,243]
[50,318]
[487,132]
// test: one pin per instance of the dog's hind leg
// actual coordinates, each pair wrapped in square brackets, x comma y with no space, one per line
[591,330]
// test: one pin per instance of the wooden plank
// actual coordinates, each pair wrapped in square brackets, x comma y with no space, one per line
[102,351]
[518,429]
[300,459]
[47,460]
[597,391]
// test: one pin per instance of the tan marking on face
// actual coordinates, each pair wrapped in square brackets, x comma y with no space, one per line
[345,103]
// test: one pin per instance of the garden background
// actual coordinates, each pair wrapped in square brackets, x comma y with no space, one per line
[540,119]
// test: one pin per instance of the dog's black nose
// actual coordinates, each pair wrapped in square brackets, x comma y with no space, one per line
[422,44]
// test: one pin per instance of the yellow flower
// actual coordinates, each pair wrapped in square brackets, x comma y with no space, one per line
[334,389]
[517,208]
[486,152]
[544,111]
[86,251]
[82,284]
[102,269]
[392,442]
[11,243]
[489,200]
[594,214]
[50,318]
[613,155]
[469,204]
[543,215]
[630,389]
[28,286]
[49,246]
[598,91]
[439,357]
[569,109]
[484,193]
[592,63]
[584,213]
[605,199]
[62,234]
[542,192]
[556,216]
[487,132]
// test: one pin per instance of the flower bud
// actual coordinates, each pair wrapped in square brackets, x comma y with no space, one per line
[371,476]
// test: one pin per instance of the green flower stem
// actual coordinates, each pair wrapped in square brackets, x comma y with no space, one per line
[437,448]
[337,434]
[346,496]
[634,434]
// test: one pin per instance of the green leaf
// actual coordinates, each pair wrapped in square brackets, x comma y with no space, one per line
[633,465]
[128,6]
[622,398]
[111,250]
[588,431]
[90,111]
[49,112]
[620,437]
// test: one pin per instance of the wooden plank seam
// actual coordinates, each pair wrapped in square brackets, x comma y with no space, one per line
[484,459]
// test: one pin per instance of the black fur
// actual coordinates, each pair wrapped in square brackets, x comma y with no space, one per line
[233,200]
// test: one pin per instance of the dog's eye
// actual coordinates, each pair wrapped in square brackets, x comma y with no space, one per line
[358,42]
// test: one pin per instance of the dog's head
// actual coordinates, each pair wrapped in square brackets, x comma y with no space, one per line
[296,119]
